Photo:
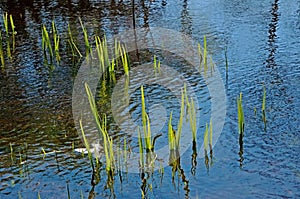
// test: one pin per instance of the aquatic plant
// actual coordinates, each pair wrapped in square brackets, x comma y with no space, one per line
[87,145]
[205,53]
[205,138]
[141,149]
[174,137]
[263,107]
[241,120]
[107,140]
[210,135]
[1,52]
[46,43]
[13,30]
[193,119]
[55,41]
[88,48]
[5,22]
[72,43]
[124,59]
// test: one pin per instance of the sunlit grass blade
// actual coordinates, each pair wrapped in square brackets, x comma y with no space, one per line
[241,121]
[178,136]
[193,119]
[5,21]
[124,59]
[46,43]
[88,48]
[205,53]
[55,41]
[205,138]
[1,52]
[87,145]
[72,43]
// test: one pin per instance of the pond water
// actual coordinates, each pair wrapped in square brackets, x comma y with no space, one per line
[38,136]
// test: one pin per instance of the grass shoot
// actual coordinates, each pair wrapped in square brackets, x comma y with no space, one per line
[205,53]
[13,30]
[1,52]
[108,142]
[205,138]
[5,21]
[46,43]
[241,120]
[55,41]
[88,48]
[193,119]
[72,43]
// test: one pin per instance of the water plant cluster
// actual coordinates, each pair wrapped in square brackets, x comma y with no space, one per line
[7,39]
[146,141]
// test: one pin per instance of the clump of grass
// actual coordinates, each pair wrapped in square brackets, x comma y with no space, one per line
[205,53]
[210,136]
[13,30]
[1,52]
[107,140]
[46,43]
[241,120]
[174,137]
[88,48]
[205,139]
[55,41]
[5,22]
[102,51]
[72,43]
[141,149]
[193,119]
[87,145]
[124,59]
[146,125]
[263,107]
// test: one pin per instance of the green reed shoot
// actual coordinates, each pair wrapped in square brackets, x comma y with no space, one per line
[124,59]
[200,54]
[171,134]
[108,142]
[1,51]
[141,149]
[146,124]
[205,138]
[55,41]
[72,43]
[193,119]
[205,53]
[46,43]
[5,21]
[88,48]
[13,30]
[186,96]
[263,107]
[241,120]
[87,145]
[178,136]
[102,51]
[156,64]
[210,135]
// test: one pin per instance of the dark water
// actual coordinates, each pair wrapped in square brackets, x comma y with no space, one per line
[262,42]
